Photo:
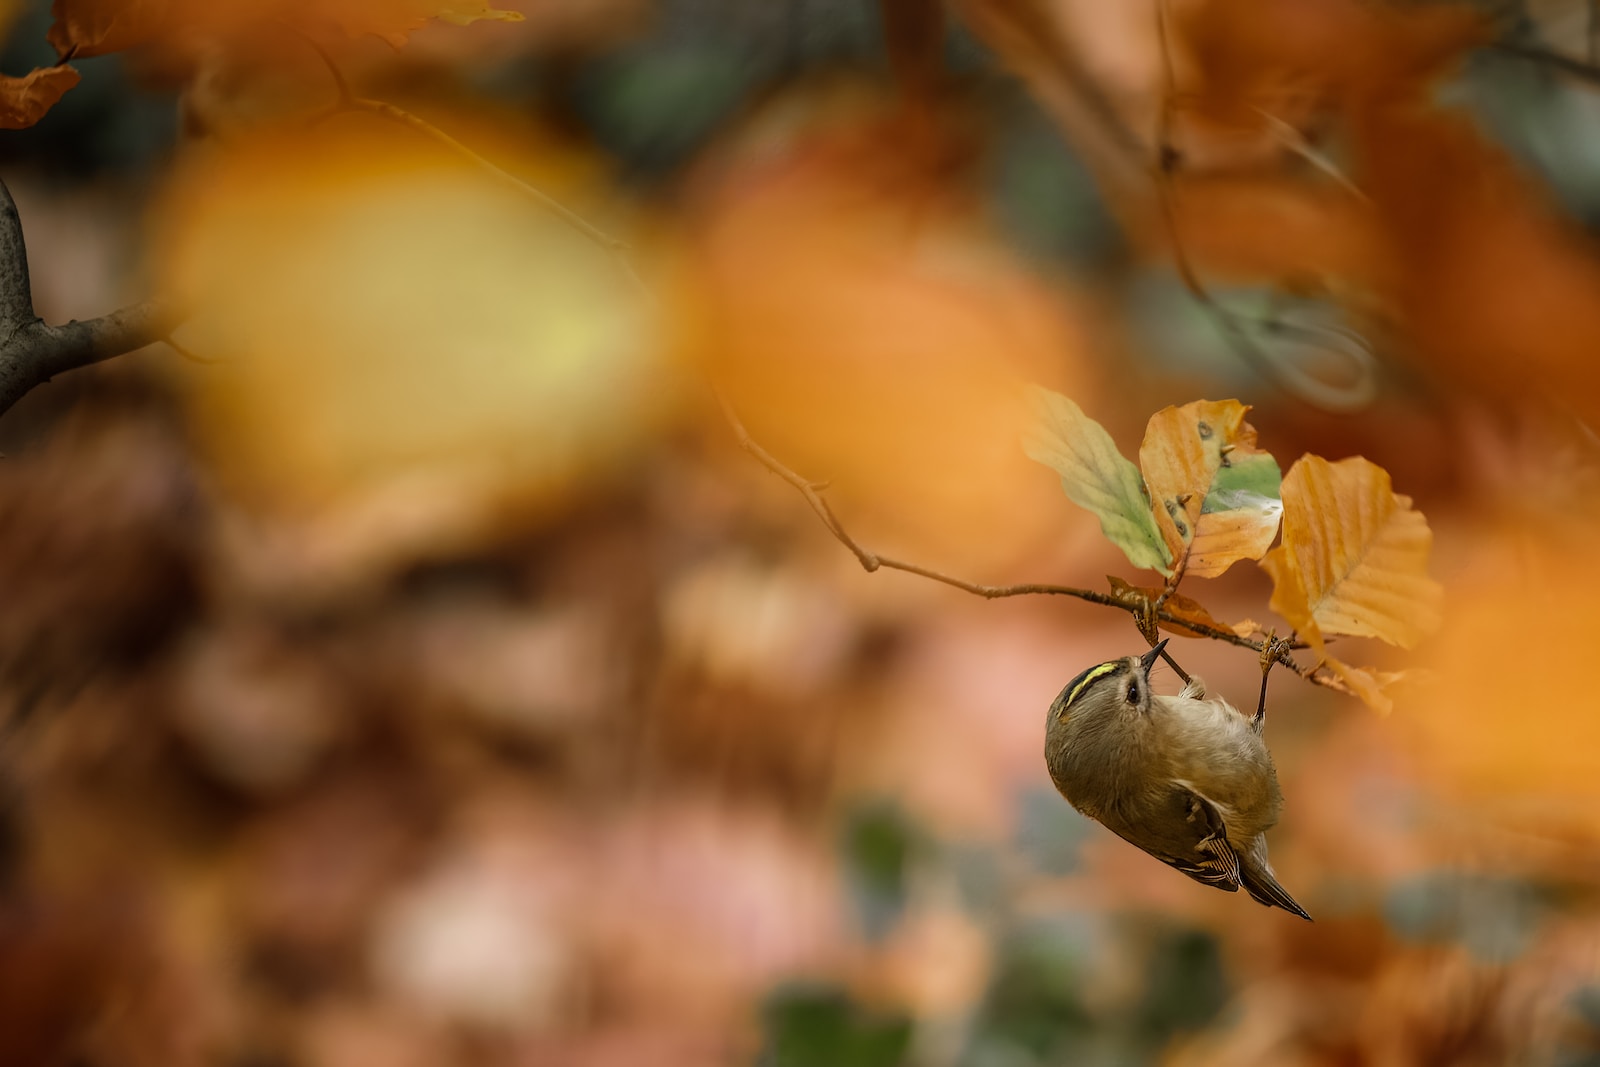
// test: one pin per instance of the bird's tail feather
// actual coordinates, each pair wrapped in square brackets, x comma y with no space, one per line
[1259,882]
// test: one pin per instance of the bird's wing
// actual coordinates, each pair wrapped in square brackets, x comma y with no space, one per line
[1200,849]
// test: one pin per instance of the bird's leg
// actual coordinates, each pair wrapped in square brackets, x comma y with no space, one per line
[1259,721]
[1269,656]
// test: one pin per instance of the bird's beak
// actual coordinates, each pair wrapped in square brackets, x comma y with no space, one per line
[1148,660]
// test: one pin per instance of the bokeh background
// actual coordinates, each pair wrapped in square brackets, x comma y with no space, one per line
[408,667]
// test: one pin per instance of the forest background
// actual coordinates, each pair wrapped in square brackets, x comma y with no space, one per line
[493,501]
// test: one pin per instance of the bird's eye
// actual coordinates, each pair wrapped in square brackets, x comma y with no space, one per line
[1133,692]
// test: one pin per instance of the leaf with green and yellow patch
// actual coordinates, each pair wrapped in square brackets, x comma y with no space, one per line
[1214,494]
[1096,477]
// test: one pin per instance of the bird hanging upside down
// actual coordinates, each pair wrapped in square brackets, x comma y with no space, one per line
[1186,778]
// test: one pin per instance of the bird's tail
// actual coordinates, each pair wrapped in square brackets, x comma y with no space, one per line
[1259,882]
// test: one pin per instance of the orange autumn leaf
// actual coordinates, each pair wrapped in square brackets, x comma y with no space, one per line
[1214,493]
[1496,286]
[1374,688]
[1354,557]
[24,100]
[1177,604]
[1246,57]
[1271,227]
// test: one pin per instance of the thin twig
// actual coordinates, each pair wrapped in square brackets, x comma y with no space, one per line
[872,561]
[1588,72]
[32,351]
[188,353]
[1292,139]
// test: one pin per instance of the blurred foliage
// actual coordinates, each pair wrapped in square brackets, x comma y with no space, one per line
[880,848]
[420,674]
[819,1027]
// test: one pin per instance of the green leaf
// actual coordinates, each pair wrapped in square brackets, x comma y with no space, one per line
[1096,477]
[1250,476]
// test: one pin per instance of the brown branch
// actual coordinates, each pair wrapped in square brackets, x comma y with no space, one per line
[1282,651]
[31,351]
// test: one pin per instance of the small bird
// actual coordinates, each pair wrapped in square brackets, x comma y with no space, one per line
[1186,778]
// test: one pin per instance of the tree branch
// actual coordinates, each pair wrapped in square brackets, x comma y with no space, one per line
[32,352]
[1280,651]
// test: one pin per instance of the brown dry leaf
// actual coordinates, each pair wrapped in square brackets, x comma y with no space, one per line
[24,100]
[1354,557]
[1177,603]
[1291,58]
[1214,494]
[84,28]
[1271,228]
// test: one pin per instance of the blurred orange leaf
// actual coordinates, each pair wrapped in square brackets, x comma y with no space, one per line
[1354,557]
[1373,687]
[899,376]
[1251,57]
[1215,495]
[24,100]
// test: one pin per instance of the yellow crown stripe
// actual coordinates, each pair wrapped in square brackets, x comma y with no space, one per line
[1097,672]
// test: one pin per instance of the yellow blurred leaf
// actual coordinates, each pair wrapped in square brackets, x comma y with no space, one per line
[24,100]
[401,340]
[1214,494]
[1096,477]
[1354,558]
